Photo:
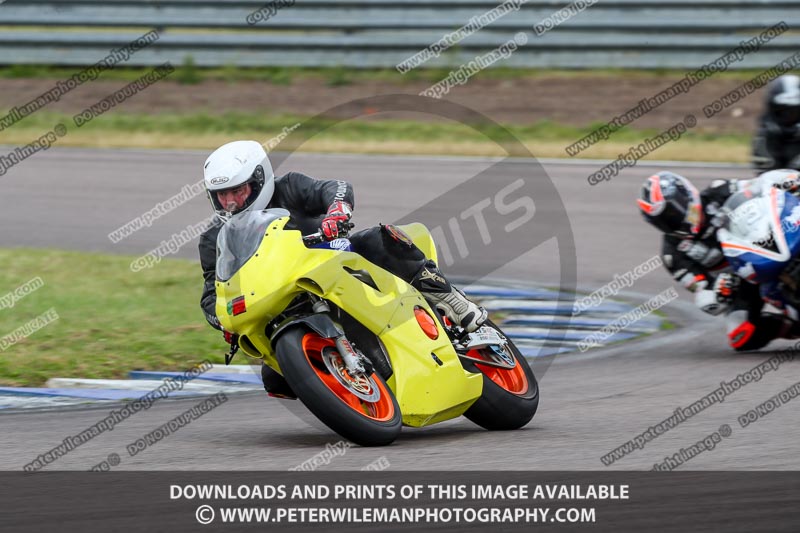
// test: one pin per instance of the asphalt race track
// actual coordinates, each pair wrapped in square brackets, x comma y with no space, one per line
[590,404]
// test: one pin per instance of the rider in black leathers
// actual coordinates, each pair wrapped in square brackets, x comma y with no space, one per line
[239,177]
[776,144]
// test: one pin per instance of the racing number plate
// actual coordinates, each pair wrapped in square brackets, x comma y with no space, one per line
[485,336]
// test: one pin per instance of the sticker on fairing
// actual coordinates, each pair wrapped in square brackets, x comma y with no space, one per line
[336,244]
[237,306]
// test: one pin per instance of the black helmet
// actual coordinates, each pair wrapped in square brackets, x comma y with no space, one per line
[672,204]
[783,103]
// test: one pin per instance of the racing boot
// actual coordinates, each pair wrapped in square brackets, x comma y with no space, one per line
[442,294]
[787,316]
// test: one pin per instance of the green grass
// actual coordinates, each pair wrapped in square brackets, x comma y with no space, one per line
[111,320]
[666,325]
[340,75]
[200,122]
[188,74]
[208,129]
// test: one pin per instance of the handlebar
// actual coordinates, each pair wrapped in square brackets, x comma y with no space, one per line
[319,237]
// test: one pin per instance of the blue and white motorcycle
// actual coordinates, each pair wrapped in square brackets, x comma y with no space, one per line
[760,235]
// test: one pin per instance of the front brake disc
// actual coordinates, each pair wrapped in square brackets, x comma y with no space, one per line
[359,385]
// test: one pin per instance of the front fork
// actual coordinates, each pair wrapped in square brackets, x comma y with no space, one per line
[356,363]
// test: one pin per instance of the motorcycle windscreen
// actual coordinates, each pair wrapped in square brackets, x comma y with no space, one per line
[753,237]
[748,219]
[240,237]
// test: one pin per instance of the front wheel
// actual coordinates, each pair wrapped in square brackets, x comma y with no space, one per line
[361,409]
[510,396]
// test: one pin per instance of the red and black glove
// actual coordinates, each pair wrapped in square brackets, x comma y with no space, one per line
[335,221]
[726,286]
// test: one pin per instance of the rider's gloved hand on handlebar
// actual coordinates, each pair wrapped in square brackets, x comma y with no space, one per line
[338,215]
[718,300]
[726,286]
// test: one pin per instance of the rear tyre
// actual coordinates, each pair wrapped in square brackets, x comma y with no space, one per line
[313,368]
[510,396]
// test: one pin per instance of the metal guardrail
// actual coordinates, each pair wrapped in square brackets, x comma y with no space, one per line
[382,33]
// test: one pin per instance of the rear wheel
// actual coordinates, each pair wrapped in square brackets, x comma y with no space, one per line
[359,408]
[510,396]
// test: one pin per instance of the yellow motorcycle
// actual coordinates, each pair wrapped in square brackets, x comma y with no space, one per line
[361,348]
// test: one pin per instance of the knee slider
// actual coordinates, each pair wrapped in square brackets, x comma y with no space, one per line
[741,334]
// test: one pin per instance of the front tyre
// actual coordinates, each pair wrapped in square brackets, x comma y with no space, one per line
[510,396]
[314,369]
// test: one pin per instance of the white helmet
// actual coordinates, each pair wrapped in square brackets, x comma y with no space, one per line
[234,164]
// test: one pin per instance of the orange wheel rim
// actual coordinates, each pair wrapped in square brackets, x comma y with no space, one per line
[382,410]
[512,380]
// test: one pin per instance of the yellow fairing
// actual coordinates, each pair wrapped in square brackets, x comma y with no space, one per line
[422,238]
[426,390]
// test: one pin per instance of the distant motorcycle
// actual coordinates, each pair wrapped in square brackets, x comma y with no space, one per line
[361,348]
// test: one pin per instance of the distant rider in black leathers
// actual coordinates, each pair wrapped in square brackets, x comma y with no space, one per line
[776,144]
